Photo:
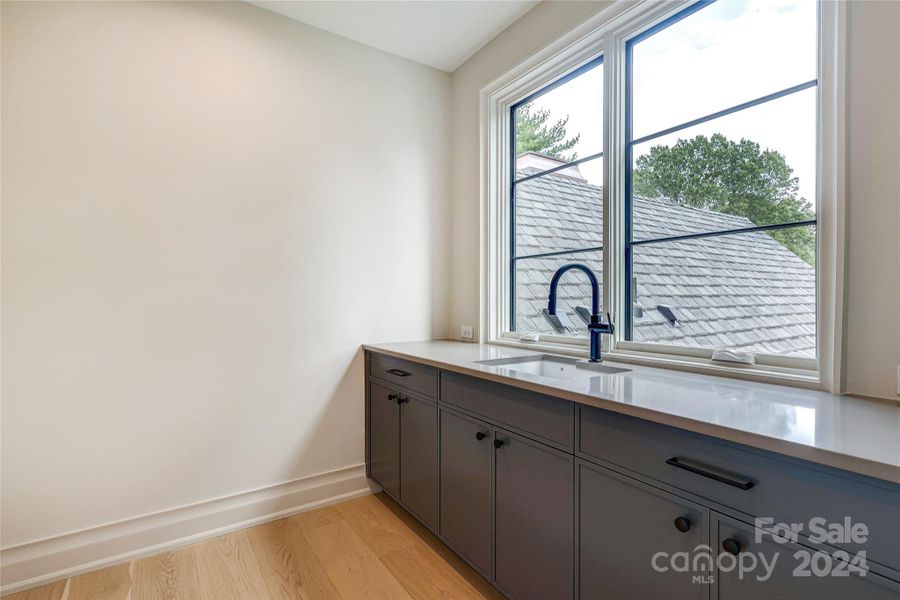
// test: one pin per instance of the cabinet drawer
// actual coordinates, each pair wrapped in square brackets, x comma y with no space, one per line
[410,375]
[794,571]
[785,491]
[549,419]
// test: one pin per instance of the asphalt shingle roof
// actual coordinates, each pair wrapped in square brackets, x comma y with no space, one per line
[743,291]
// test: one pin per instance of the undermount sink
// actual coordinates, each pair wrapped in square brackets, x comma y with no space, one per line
[555,367]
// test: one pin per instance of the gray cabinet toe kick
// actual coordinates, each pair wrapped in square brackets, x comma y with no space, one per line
[548,498]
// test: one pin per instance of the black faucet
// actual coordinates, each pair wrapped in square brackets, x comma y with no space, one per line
[596,326]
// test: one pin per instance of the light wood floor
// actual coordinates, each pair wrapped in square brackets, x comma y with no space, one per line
[359,549]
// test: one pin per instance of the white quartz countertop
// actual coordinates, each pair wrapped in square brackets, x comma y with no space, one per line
[855,434]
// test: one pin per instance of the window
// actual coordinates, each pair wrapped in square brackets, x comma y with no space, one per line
[556,200]
[675,150]
[721,193]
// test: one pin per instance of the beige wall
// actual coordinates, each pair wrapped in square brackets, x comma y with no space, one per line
[206,209]
[873,257]
[873,297]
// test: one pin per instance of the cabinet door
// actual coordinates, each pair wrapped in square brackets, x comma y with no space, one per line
[465,485]
[384,438]
[791,575]
[534,516]
[418,458]
[623,524]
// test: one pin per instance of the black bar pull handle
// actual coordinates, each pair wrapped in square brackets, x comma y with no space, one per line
[743,485]
[398,373]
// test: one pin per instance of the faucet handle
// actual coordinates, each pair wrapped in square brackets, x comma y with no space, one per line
[598,325]
[609,323]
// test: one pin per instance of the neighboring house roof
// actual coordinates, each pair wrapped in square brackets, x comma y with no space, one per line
[743,291]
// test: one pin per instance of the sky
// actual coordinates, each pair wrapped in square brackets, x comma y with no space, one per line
[725,54]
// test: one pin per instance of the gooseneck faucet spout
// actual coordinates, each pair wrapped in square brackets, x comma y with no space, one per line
[596,326]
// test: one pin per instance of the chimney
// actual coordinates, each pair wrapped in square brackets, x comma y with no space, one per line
[543,162]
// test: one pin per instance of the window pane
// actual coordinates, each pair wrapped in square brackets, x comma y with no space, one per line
[560,211]
[565,123]
[727,53]
[744,291]
[753,167]
[533,277]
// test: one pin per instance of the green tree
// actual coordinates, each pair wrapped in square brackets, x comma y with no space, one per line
[736,178]
[534,135]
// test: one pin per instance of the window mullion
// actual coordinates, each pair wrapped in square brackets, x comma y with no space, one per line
[709,234]
[613,185]
[728,111]
[561,167]
[559,253]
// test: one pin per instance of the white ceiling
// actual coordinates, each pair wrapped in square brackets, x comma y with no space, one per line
[439,33]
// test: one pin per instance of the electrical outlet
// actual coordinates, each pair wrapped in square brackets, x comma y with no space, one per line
[467,332]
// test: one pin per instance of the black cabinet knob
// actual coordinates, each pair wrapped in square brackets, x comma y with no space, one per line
[392,397]
[480,435]
[401,399]
[683,524]
[731,546]
[498,443]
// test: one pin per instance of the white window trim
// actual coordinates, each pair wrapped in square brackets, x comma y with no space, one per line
[606,33]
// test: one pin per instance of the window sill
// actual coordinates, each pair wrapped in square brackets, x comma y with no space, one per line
[760,373]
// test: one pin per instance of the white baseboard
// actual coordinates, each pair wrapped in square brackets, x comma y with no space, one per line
[35,563]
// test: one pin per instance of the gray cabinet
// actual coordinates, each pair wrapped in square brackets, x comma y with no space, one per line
[403,449]
[787,491]
[466,484]
[418,457]
[551,503]
[384,438]
[623,524]
[535,519]
[791,576]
